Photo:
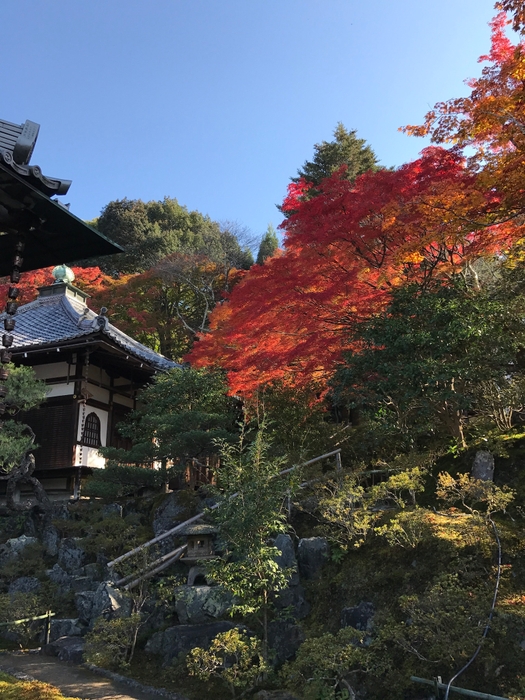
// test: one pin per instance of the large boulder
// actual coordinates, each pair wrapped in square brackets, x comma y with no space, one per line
[67,649]
[287,559]
[14,547]
[83,583]
[24,584]
[171,512]
[71,556]
[109,602]
[359,616]
[84,605]
[311,554]
[182,638]
[60,577]
[198,604]
[483,466]
[61,511]
[50,539]
[293,600]
[66,627]
[36,521]
[284,640]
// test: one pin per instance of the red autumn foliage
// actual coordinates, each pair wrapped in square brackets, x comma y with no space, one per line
[90,279]
[345,250]
[349,246]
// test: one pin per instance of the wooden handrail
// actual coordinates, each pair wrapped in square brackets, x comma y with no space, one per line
[460,691]
[199,516]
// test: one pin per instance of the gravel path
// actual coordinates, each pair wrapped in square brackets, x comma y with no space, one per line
[72,680]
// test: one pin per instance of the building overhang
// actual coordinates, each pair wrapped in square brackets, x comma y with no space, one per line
[50,231]
[115,356]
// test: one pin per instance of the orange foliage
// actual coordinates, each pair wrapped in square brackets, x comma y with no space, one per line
[348,247]
[489,124]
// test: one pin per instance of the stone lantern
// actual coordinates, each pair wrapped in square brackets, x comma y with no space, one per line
[200,539]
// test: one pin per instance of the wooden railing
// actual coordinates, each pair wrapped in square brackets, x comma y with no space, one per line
[171,557]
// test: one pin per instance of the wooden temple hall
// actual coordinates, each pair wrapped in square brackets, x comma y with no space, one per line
[92,370]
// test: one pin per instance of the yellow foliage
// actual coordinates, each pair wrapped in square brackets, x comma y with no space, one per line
[13,689]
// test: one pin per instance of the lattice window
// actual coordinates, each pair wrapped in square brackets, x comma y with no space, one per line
[91,436]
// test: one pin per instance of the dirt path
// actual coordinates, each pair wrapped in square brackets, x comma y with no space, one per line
[70,679]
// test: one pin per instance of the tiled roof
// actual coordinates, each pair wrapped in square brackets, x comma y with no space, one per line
[51,319]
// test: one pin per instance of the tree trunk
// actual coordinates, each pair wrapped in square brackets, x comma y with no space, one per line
[22,476]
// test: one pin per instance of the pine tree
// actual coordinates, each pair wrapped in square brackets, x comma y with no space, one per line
[268,246]
[346,149]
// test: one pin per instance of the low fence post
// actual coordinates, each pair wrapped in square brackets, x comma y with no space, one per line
[47,635]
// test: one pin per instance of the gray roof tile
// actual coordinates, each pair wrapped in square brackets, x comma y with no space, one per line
[49,320]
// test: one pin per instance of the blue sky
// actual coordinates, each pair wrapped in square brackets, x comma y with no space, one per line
[219,102]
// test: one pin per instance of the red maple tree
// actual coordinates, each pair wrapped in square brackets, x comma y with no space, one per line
[344,251]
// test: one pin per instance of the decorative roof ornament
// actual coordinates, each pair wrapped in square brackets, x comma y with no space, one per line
[63,273]
[17,143]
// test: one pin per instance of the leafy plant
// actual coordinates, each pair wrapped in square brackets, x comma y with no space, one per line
[233,656]
[325,665]
[251,497]
[472,492]
[111,643]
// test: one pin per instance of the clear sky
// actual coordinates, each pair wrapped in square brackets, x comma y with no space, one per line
[219,102]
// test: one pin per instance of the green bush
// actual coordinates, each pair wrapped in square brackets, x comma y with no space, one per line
[20,606]
[111,644]
[29,563]
[233,657]
[325,666]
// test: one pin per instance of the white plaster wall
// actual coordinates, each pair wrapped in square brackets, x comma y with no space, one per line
[90,457]
[98,393]
[98,374]
[54,369]
[60,390]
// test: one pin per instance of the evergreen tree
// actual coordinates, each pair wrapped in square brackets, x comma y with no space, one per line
[268,245]
[17,463]
[181,415]
[345,149]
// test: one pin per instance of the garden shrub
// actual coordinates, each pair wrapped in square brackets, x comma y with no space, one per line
[234,657]
[111,643]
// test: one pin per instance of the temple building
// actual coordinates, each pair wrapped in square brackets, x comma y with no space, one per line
[93,372]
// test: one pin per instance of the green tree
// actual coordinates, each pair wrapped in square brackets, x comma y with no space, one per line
[345,149]
[268,245]
[419,366]
[148,231]
[251,513]
[17,463]
[180,417]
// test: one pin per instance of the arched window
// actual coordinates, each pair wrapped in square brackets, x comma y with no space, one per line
[91,436]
